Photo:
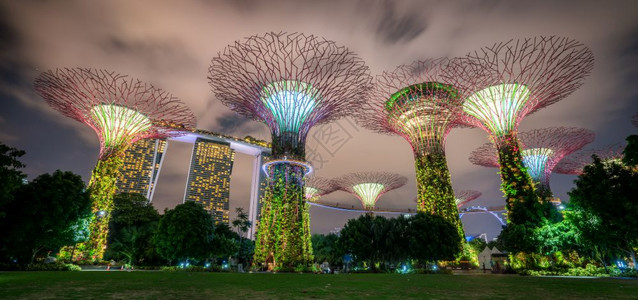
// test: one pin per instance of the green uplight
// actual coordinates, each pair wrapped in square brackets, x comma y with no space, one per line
[416,92]
[497,106]
[535,160]
[118,124]
[368,193]
[290,102]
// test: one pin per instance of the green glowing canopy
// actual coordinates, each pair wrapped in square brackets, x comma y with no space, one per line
[118,124]
[535,160]
[290,102]
[498,106]
[368,193]
[417,91]
[311,192]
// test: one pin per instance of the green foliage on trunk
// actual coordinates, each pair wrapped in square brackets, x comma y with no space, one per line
[434,188]
[102,187]
[521,199]
[281,238]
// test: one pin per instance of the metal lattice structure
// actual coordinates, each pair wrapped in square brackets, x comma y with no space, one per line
[576,162]
[316,187]
[291,82]
[466,196]
[421,104]
[416,101]
[542,150]
[634,120]
[121,110]
[368,187]
[461,197]
[508,81]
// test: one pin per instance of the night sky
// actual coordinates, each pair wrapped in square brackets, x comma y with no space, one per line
[170,45]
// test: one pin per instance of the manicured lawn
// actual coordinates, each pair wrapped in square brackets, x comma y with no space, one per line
[119,284]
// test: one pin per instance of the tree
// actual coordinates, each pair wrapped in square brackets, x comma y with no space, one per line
[357,237]
[43,213]
[433,238]
[185,232]
[225,242]
[241,223]
[630,157]
[133,222]
[10,175]
[606,195]
[324,248]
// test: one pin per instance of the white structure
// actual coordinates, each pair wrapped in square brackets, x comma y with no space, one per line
[485,258]
[242,146]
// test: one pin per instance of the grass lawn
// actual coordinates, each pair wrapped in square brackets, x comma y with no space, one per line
[153,285]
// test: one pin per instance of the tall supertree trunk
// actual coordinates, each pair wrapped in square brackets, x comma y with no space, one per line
[102,188]
[516,184]
[434,188]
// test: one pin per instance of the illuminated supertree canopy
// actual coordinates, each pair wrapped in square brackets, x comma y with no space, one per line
[121,110]
[318,186]
[542,150]
[508,81]
[574,163]
[466,196]
[419,103]
[462,197]
[369,186]
[315,187]
[291,82]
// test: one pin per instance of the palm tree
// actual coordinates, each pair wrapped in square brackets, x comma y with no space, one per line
[241,223]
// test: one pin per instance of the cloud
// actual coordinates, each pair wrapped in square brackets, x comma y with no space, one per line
[170,44]
[395,27]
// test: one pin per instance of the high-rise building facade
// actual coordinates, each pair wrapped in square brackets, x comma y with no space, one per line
[142,162]
[209,177]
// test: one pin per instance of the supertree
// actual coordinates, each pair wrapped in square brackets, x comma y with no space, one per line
[318,186]
[121,110]
[466,196]
[462,197]
[634,120]
[291,82]
[421,104]
[508,81]
[576,162]
[542,150]
[369,186]
[315,187]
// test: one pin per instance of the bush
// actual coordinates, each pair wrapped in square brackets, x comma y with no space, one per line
[53,267]
[194,269]
[589,270]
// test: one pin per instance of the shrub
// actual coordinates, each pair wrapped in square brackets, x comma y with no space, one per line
[53,267]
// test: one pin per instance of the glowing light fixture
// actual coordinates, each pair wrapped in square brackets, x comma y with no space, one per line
[118,123]
[498,106]
[290,102]
[535,160]
[368,193]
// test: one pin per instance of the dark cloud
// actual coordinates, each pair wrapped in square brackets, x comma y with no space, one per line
[395,27]
[232,123]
